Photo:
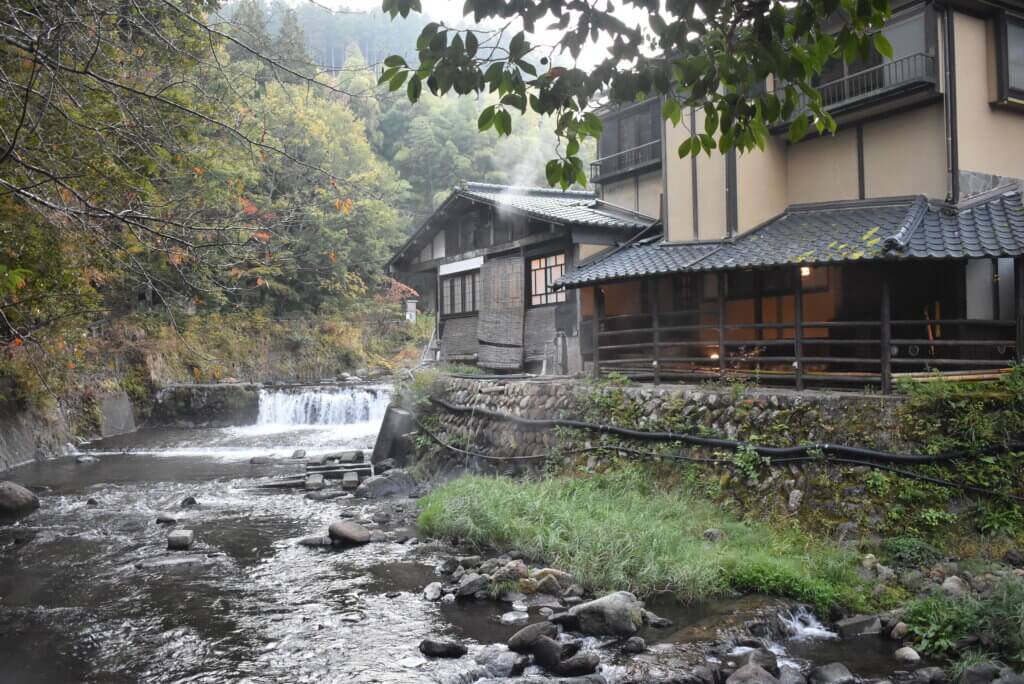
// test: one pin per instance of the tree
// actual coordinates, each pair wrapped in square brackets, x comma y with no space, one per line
[290,45]
[707,54]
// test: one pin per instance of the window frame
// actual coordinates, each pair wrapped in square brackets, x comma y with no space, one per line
[551,297]
[468,290]
[1005,92]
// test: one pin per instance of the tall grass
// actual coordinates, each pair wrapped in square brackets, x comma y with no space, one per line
[624,530]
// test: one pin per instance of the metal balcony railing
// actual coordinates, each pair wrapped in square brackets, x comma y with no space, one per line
[864,85]
[637,157]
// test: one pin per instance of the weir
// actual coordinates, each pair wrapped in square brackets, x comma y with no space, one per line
[322,406]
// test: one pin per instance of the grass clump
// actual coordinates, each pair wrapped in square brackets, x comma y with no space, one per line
[625,530]
[940,623]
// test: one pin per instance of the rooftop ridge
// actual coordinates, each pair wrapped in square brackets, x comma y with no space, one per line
[530,191]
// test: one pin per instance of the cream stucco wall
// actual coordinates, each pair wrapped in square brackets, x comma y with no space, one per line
[587,250]
[823,169]
[639,193]
[905,154]
[762,184]
[678,184]
[991,138]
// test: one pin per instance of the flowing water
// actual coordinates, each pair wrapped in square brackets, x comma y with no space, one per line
[93,596]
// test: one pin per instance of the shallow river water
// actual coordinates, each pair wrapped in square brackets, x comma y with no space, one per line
[86,599]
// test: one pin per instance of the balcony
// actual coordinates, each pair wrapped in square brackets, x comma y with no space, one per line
[635,159]
[865,89]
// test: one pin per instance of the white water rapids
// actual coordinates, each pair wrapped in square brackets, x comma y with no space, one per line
[323,406]
[316,419]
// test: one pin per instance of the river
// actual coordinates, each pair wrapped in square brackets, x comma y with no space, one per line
[90,593]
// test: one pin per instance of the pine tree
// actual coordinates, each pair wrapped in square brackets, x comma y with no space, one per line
[290,46]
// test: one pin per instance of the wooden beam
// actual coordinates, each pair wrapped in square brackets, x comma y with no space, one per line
[721,325]
[1018,298]
[596,330]
[885,332]
[798,330]
[653,290]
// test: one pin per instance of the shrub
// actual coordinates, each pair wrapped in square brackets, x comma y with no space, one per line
[1001,619]
[938,622]
[910,551]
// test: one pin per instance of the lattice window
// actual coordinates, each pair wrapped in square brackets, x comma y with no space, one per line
[460,293]
[544,271]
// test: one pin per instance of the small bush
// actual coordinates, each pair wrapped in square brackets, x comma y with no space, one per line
[939,621]
[910,551]
[1001,619]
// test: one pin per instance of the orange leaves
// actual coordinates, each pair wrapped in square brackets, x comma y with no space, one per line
[333,256]
[249,207]
[260,282]
[15,343]
[177,256]
[344,206]
[198,171]
[262,235]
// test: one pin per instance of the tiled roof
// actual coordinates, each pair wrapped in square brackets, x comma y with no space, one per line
[650,257]
[842,232]
[572,207]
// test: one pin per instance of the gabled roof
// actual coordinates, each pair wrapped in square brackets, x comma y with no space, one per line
[840,232]
[565,207]
[571,207]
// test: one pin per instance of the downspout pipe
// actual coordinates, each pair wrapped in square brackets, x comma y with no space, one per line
[952,134]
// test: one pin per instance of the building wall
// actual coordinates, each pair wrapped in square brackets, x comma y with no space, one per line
[640,193]
[822,169]
[991,138]
[679,180]
[539,331]
[905,154]
[459,338]
[587,250]
[762,184]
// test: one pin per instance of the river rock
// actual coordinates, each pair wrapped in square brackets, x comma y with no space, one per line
[578,665]
[16,501]
[955,587]
[833,673]
[512,571]
[395,482]
[617,614]
[470,561]
[1008,676]
[654,620]
[471,583]
[899,631]
[92,502]
[86,459]
[547,652]
[930,675]
[791,675]
[858,625]
[713,534]
[189,501]
[500,662]
[442,648]
[261,460]
[763,658]
[549,585]
[316,541]
[433,591]
[523,640]
[907,656]
[1014,557]
[326,495]
[180,540]
[979,673]
[165,518]
[515,617]
[348,533]
[634,644]
[314,482]
[299,453]
[751,674]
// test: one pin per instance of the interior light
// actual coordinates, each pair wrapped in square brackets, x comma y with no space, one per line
[805,271]
[713,356]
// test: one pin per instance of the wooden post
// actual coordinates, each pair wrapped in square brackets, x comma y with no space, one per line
[721,325]
[656,336]
[1018,298]
[595,331]
[798,329]
[885,333]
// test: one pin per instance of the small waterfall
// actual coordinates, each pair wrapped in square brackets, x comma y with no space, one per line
[323,406]
[801,623]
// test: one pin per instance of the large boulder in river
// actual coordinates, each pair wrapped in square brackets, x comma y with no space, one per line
[395,482]
[442,648]
[752,674]
[618,614]
[523,640]
[16,501]
[348,533]
[833,673]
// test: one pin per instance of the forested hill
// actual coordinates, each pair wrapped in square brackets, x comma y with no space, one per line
[200,182]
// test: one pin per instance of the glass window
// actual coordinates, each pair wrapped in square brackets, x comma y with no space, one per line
[459,293]
[544,271]
[1015,53]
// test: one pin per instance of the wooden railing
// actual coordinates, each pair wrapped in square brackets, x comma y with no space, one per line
[868,352]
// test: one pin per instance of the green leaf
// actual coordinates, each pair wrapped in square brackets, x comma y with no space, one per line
[394,61]
[572,148]
[553,172]
[671,110]
[883,45]
[486,119]
[798,129]
[398,80]
[414,89]
[503,122]
[684,147]
[471,43]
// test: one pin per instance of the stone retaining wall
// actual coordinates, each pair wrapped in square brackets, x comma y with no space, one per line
[829,495]
[207,405]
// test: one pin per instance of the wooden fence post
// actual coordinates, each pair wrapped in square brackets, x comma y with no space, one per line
[721,325]
[798,331]
[885,333]
[652,288]
[595,335]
